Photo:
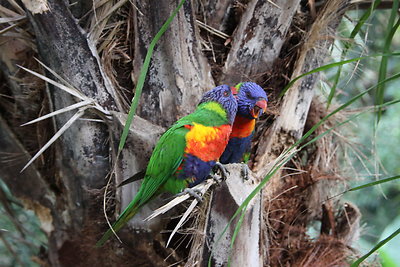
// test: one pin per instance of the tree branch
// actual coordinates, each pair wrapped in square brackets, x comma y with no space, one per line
[224,202]
[289,126]
[82,161]
[179,72]
[258,40]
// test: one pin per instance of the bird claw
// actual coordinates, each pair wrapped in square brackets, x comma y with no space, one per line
[223,171]
[193,192]
[216,178]
[244,172]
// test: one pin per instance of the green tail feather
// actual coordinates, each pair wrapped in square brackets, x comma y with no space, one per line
[128,213]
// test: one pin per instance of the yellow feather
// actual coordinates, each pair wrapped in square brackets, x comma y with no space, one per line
[216,107]
[202,134]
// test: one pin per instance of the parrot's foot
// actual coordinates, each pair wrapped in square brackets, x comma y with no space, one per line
[223,171]
[244,172]
[196,193]
[216,178]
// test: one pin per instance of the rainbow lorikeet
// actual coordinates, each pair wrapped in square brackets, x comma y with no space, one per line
[186,153]
[252,102]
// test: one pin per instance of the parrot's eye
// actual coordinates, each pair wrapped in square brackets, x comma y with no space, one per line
[248,94]
[226,93]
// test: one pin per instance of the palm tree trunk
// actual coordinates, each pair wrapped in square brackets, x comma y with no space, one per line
[66,187]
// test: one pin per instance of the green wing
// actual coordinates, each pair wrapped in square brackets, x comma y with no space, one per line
[168,153]
[164,162]
[198,117]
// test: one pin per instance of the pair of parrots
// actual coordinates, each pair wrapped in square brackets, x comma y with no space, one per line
[221,128]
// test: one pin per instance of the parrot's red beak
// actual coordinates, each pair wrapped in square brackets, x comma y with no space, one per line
[260,105]
[234,91]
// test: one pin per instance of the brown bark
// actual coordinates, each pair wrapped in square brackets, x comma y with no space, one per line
[225,200]
[289,126]
[82,161]
[217,14]
[69,198]
[180,73]
[258,39]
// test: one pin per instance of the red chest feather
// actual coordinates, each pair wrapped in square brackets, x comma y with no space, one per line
[207,143]
[243,127]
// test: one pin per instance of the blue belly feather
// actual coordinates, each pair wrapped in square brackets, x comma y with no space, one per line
[235,149]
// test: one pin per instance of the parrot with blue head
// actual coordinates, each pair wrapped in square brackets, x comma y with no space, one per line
[252,103]
[186,153]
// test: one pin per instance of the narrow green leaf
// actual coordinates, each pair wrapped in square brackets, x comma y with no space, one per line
[278,165]
[346,121]
[380,244]
[332,92]
[348,45]
[142,76]
[381,181]
[343,106]
[392,28]
[364,18]
[329,66]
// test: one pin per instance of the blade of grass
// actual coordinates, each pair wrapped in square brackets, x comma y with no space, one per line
[329,66]
[346,121]
[392,28]
[142,77]
[374,183]
[347,46]
[289,153]
[379,245]
[380,89]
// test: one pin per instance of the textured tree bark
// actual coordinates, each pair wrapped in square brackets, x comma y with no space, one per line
[258,40]
[82,162]
[70,202]
[289,126]
[226,199]
[217,13]
[180,73]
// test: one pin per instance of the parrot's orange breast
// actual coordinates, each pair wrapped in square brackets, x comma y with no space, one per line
[205,142]
[242,127]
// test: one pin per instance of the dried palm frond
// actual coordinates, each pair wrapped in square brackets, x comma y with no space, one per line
[85,104]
